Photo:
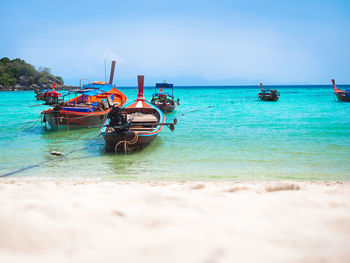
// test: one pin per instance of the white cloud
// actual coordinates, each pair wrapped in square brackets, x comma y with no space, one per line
[109,55]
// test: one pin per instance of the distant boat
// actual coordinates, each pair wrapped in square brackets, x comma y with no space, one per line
[49,96]
[341,94]
[52,97]
[39,95]
[89,106]
[164,101]
[268,94]
[135,126]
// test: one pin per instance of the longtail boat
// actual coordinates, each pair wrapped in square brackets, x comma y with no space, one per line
[52,97]
[341,94]
[49,96]
[268,94]
[39,95]
[135,126]
[89,106]
[164,101]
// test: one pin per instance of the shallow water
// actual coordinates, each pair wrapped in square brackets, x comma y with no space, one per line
[222,133]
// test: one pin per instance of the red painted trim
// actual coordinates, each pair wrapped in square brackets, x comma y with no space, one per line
[98,113]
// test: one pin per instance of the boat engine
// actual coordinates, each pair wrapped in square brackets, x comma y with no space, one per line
[117,118]
[274,93]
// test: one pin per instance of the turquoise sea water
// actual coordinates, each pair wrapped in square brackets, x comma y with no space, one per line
[222,133]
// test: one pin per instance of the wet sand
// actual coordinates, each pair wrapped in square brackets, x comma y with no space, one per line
[113,221]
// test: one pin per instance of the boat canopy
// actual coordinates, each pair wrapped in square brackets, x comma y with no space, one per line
[92,92]
[164,85]
[98,86]
[160,86]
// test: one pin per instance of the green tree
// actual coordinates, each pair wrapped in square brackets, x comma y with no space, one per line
[11,72]
[4,60]
[7,80]
[59,78]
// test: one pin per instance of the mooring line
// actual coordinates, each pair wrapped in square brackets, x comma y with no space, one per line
[34,121]
[40,163]
[23,169]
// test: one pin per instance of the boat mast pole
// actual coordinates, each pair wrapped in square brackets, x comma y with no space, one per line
[112,73]
[105,72]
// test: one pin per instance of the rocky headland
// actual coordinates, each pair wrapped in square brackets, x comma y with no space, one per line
[17,75]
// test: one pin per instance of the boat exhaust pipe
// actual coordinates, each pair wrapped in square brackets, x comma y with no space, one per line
[140,80]
[111,76]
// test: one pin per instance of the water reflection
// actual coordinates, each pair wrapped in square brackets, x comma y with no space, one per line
[138,164]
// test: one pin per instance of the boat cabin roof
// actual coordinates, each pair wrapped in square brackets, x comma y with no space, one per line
[164,85]
[97,86]
[93,92]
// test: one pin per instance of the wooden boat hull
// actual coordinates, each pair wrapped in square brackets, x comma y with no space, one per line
[135,137]
[342,97]
[70,119]
[127,141]
[39,96]
[166,108]
[268,97]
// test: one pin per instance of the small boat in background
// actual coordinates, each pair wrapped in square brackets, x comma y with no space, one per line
[164,101]
[39,94]
[135,126]
[341,94]
[49,96]
[89,106]
[268,94]
[52,97]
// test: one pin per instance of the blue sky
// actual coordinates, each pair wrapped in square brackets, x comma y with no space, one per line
[186,42]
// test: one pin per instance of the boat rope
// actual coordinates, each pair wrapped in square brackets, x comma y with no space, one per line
[41,163]
[36,105]
[35,121]
[76,118]
[127,143]
[192,111]
[31,124]
[67,121]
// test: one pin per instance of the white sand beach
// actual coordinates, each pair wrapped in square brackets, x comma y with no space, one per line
[113,221]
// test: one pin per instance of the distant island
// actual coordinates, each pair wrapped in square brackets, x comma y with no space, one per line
[16,74]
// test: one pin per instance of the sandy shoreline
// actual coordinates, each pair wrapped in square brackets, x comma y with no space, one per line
[111,221]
